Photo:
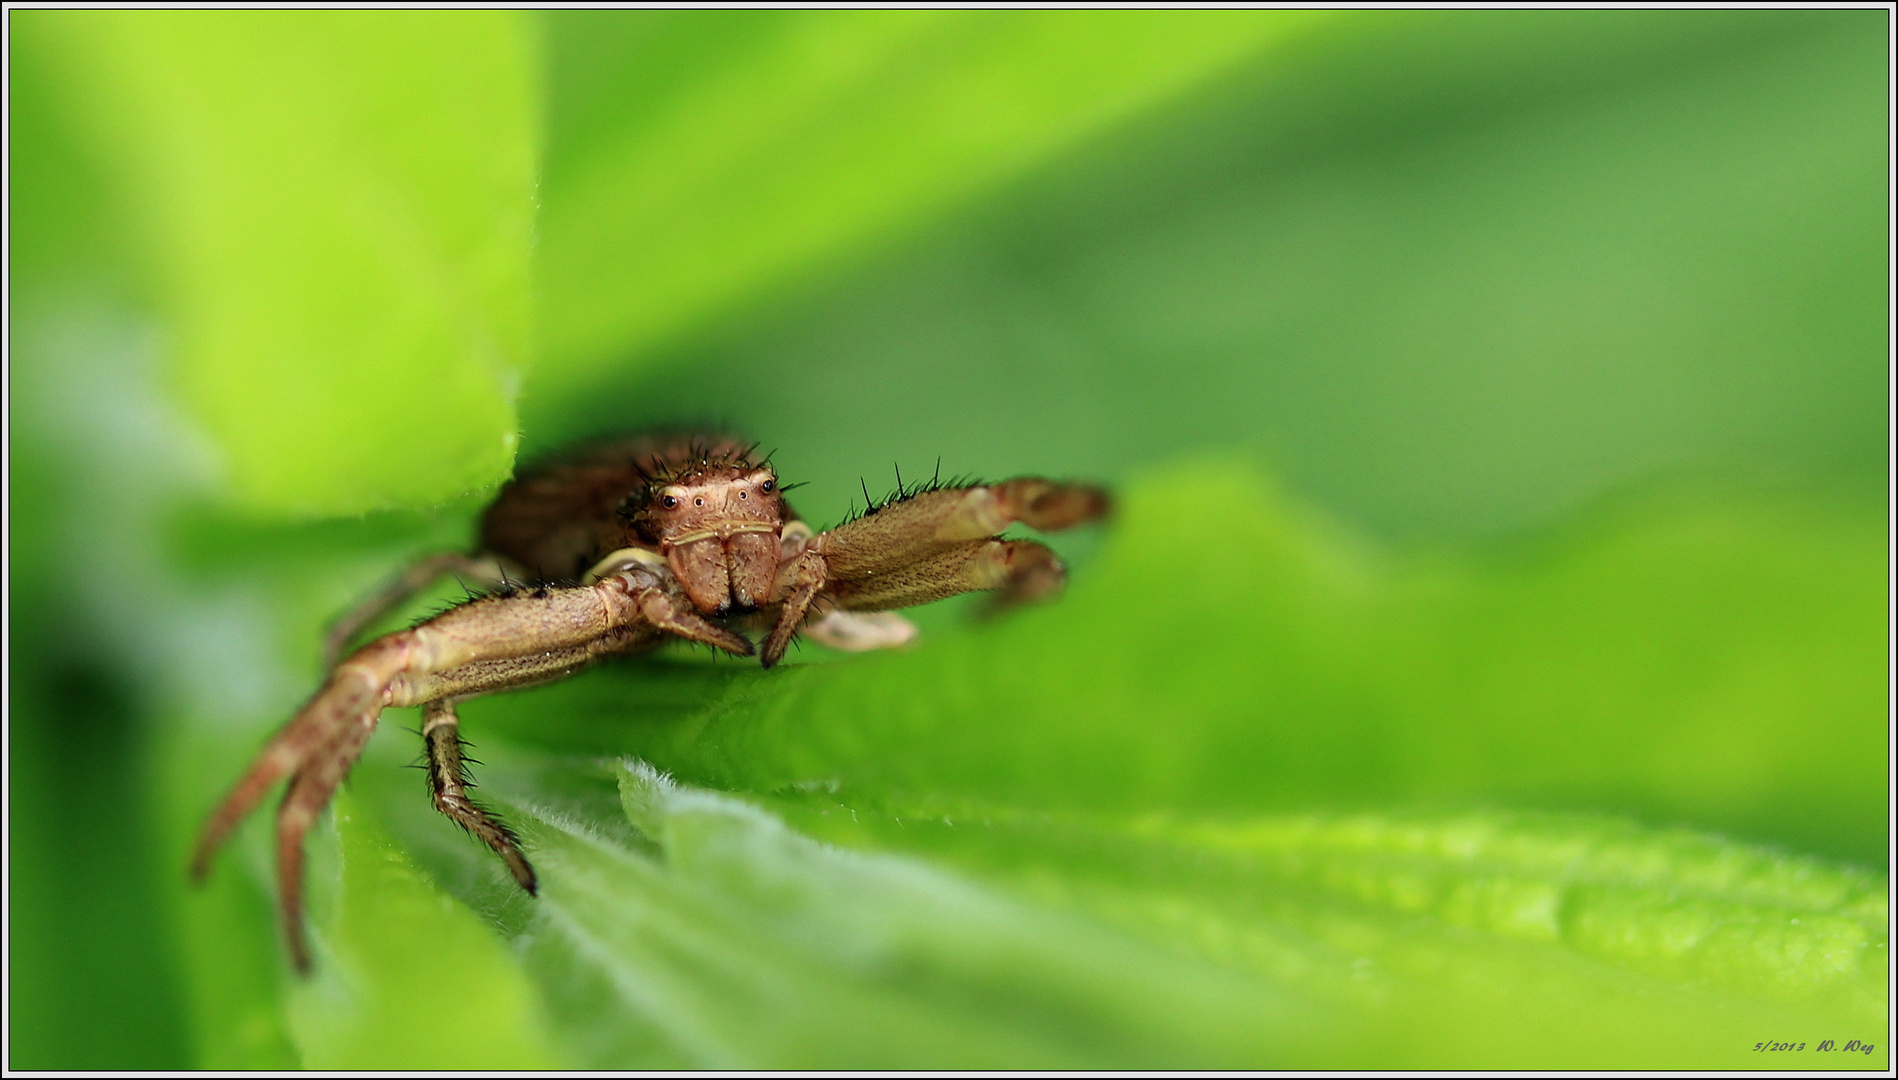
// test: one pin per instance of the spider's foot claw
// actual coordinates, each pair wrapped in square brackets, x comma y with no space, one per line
[773,652]
[523,872]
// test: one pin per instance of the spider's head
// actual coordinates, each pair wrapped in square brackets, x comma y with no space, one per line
[718,524]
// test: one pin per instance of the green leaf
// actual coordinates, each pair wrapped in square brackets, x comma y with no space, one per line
[336,209]
[683,928]
[748,945]
[1452,274]
[698,159]
[408,978]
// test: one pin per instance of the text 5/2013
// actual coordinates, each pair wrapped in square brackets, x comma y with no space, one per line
[1827,1044]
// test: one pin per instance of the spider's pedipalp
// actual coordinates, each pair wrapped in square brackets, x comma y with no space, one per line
[798,583]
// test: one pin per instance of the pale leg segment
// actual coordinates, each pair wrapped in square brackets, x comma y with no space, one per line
[860,631]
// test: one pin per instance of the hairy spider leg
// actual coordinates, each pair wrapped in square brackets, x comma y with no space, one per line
[909,529]
[524,637]
[933,545]
[448,777]
[483,571]
[311,789]
[448,784]
[514,672]
[353,690]
[1017,570]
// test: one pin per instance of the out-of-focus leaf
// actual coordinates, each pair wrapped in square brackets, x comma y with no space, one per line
[1451,273]
[698,158]
[744,944]
[408,978]
[1683,907]
[708,934]
[338,210]
[92,980]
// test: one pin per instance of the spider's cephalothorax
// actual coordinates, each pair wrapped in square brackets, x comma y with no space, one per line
[718,522]
[612,549]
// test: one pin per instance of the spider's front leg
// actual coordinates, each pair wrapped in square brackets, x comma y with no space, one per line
[487,644]
[930,546]
[484,571]
[448,784]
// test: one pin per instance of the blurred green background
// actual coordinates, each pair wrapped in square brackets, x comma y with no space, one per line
[1486,666]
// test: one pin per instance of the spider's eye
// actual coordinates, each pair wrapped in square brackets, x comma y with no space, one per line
[768,486]
[698,502]
[668,502]
[742,495]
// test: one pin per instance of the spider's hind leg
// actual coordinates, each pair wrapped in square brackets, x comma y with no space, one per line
[310,790]
[448,784]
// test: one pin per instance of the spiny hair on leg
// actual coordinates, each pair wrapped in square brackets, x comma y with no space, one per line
[905,492]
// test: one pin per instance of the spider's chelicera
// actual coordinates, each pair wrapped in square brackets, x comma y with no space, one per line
[611,550]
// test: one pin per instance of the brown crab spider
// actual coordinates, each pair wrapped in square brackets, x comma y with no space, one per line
[620,547]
